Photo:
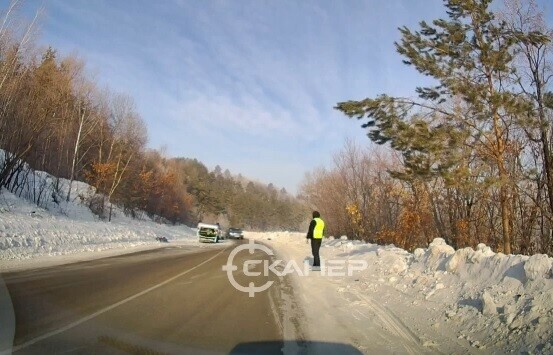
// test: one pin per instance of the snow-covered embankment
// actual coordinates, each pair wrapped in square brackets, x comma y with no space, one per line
[435,299]
[33,236]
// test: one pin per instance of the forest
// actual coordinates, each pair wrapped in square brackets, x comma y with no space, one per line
[56,118]
[468,158]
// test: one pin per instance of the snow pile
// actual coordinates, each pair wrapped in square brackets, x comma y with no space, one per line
[455,300]
[497,301]
[538,266]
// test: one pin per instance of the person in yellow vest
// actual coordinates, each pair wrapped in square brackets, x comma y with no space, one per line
[316,233]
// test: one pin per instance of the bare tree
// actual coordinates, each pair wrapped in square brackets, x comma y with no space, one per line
[535,73]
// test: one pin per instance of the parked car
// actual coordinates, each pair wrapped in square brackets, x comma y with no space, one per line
[235,233]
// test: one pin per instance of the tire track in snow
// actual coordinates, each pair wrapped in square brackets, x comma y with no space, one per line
[411,341]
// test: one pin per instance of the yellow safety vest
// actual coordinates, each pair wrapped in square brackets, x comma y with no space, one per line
[319,228]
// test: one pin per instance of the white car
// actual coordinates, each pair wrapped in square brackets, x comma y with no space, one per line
[209,232]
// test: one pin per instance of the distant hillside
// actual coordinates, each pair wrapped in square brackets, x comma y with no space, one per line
[55,118]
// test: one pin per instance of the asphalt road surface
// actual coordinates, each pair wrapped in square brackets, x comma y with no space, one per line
[163,301]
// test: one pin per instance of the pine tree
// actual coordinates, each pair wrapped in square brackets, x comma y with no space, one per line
[469,111]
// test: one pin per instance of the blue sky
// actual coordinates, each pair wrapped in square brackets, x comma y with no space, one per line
[259,78]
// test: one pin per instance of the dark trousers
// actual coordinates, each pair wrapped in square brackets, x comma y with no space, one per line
[315,246]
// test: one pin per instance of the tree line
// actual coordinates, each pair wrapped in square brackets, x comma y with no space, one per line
[55,118]
[469,157]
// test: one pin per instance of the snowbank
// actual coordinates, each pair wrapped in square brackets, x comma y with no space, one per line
[36,222]
[454,300]
[30,232]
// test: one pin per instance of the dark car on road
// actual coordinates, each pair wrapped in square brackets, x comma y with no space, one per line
[235,233]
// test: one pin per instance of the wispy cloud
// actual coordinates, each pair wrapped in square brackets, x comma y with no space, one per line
[259,76]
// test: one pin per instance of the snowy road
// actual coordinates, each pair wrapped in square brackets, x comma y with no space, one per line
[179,300]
